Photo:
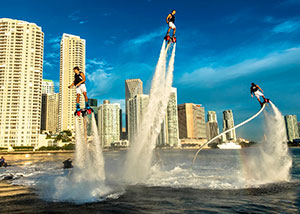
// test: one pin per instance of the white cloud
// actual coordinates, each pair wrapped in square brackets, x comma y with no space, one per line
[47,63]
[54,40]
[274,62]
[75,16]
[101,81]
[51,55]
[287,27]
[147,37]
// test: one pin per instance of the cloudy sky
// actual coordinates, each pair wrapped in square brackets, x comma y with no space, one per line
[222,46]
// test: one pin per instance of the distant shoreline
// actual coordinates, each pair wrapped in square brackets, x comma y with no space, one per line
[104,150]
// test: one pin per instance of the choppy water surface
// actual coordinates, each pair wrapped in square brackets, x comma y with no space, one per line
[218,182]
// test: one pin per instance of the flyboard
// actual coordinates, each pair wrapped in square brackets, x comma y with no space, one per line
[169,39]
[235,127]
[84,113]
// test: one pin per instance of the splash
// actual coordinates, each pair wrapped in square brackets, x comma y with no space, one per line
[272,162]
[86,182]
[138,162]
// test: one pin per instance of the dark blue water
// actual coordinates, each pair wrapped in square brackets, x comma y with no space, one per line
[212,189]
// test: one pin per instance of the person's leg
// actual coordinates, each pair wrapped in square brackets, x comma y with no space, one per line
[85,96]
[174,31]
[168,31]
[77,101]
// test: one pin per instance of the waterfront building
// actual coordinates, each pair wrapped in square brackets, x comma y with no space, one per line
[212,128]
[49,113]
[72,54]
[21,71]
[133,87]
[169,135]
[109,123]
[47,87]
[136,109]
[191,121]
[228,123]
[291,127]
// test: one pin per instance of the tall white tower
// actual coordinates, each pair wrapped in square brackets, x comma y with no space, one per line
[72,54]
[21,71]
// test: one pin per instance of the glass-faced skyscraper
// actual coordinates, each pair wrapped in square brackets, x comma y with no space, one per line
[169,135]
[21,71]
[228,123]
[212,128]
[133,87]
[291,127]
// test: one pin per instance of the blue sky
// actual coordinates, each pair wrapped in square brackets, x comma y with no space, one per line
[222,46]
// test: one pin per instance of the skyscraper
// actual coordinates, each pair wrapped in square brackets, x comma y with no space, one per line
[109,123]
[133,87]
[72,53]
[49,112]
[21,69]
[136,109]
[228,123]
[47,87]
[291,127]
[212,128]
[169,135]
[191,121]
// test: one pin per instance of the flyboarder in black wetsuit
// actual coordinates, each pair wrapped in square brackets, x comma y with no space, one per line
[258,92]
[171,22]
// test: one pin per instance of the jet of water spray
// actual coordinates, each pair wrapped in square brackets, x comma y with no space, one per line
[272,162]
[139,157]
[86,182]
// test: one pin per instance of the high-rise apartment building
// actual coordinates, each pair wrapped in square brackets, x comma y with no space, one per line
[191,121]
[291,127]
[109,123]
[49,112]
[72,53]
[21,70]
[136,109]
[133,87]
[47,87]
[228,123]
[212,128]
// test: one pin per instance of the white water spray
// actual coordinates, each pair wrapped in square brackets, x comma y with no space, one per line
[139,157]
[272,162]
[86,182]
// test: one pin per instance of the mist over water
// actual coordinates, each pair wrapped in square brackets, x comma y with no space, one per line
[85,183]
[139,158]
[271,162]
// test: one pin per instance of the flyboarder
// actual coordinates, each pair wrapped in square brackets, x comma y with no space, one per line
[170,21]
[258,92]
[79,83]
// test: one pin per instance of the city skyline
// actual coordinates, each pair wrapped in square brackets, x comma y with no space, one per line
[252,34]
